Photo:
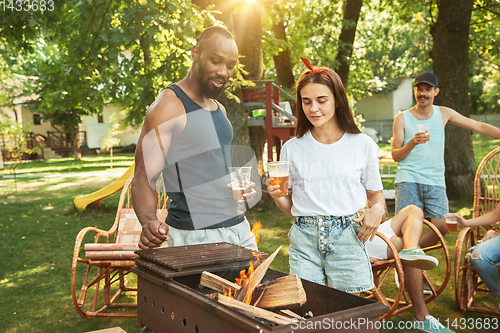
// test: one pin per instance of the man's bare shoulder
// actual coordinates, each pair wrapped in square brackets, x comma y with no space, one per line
[447,113]
[167,106]
[446,110]
[399,120]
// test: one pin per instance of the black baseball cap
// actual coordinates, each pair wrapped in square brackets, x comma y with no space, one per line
[427,77]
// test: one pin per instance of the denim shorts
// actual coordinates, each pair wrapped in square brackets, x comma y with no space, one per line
[430,198]
[327,250]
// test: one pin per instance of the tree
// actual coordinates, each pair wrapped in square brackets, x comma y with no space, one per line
[243,19]
[247,25]
[277,43]
[110,138]
[352,8]
[282,60]
[121,51]
[450,55]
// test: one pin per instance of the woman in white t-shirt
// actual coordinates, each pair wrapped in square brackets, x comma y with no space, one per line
[333,171]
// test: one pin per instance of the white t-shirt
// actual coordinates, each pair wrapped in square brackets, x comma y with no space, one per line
[331,179]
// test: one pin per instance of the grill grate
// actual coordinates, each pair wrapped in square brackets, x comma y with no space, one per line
[184,260]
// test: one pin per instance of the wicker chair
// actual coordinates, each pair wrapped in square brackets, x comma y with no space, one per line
[101,267]
[398,300]
[468,284]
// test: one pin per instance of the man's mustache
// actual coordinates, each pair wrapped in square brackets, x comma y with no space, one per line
[219,78]
[423,96]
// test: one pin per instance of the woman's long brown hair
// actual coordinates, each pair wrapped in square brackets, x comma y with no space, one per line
[343,112]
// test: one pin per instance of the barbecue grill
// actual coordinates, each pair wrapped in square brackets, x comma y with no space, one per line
[170,298]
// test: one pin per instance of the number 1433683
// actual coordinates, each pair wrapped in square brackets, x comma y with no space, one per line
[27,5]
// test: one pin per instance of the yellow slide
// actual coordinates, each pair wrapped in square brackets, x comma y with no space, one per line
[83,201]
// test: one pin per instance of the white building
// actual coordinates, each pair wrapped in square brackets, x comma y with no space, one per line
[379,109]
[94,129]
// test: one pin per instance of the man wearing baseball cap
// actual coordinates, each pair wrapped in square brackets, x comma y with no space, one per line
[418,147]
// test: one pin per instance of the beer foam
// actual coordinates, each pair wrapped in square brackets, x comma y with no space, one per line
[278,174]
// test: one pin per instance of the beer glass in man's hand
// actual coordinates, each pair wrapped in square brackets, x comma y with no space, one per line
[424,128]
[240,179]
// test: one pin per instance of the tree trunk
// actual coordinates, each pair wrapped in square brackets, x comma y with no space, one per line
[352,9]
[248,34]
[282,62]
[236,111]
[450,55]
[76,143]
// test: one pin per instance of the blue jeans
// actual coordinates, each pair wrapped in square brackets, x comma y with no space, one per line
[327,250]
[484,257]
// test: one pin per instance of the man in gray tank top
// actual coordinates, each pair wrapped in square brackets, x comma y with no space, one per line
[420,153]
[186,136]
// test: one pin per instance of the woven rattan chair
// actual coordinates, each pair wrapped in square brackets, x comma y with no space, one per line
[396,298]
[486,196]
[102,262]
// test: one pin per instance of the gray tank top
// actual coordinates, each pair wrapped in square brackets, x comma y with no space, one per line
[196,170]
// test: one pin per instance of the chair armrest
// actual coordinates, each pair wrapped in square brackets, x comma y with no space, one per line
[81,235]
[111,247]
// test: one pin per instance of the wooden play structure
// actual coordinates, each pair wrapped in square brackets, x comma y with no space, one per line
[468,285]
[262,101]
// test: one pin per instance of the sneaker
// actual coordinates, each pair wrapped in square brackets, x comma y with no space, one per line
[418,259]
[430,324]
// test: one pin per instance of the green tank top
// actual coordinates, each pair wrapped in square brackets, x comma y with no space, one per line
[425,163]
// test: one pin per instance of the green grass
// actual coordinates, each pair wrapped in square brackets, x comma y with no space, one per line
[39,224]
[483,145]
[69,165]
[38,227]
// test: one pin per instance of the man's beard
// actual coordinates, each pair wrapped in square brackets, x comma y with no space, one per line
[207,91]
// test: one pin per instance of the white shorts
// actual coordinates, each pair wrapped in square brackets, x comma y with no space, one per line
[377,248]
[238,234]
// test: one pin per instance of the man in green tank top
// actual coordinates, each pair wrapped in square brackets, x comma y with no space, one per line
[419,152]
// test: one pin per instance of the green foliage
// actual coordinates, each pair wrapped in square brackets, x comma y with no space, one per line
[389,47]
[484,69]
[125,51]
[393,40]
[115,51]
[236,82]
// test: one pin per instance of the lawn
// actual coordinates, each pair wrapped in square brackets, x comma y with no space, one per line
[39,224]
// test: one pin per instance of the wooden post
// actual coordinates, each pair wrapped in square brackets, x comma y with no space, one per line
[269,121]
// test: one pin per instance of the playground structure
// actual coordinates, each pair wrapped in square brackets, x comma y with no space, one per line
[82,202]
[263,103]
